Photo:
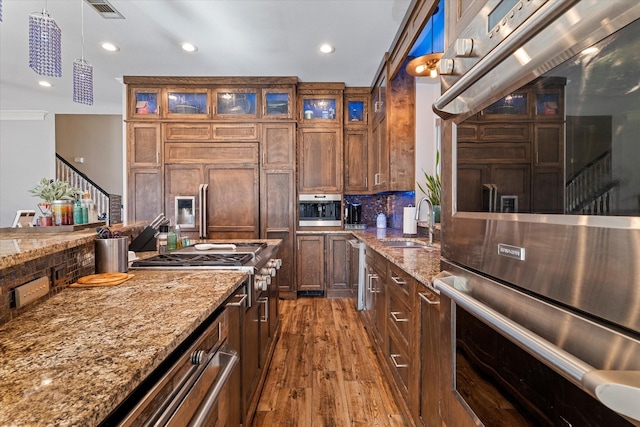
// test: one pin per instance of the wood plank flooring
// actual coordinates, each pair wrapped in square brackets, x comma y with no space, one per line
[324,371]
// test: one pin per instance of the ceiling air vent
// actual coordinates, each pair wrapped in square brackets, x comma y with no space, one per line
[105,9]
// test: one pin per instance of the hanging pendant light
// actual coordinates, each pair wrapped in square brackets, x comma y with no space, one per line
[426,65]
[82,72]
[45,44]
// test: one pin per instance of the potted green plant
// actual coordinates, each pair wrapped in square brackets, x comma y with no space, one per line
[58,199]
[433,189]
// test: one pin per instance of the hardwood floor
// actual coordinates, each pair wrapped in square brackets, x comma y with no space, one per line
[324,371]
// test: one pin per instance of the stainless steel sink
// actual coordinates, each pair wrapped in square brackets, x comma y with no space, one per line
[406,244]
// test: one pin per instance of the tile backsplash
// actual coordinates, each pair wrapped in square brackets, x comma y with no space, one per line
[390,204]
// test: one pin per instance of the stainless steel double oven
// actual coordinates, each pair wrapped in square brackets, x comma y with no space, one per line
[540,287]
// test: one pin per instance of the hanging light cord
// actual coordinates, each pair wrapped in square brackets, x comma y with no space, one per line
[82,30]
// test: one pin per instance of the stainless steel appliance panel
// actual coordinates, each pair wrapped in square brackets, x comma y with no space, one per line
[320,210]
[493,332]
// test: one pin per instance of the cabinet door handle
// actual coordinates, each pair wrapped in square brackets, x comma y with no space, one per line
[395,362]
[427,300]
[398,281]
[395,314]
[265,301]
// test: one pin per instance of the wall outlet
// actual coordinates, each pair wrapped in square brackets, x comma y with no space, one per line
[31,291]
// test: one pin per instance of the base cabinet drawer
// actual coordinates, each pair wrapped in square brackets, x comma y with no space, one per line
[400,363]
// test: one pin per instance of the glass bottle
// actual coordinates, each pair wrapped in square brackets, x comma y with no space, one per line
[162,239]
[172,240]
[77,213]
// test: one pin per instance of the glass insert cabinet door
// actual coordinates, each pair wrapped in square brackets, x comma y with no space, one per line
[234,102]
[144,103]
[193,103]
[277,103]
[356,111]
[319,109]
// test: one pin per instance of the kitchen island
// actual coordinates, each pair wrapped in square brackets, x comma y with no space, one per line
[73,358]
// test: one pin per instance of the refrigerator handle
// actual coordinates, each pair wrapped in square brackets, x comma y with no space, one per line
[202,216]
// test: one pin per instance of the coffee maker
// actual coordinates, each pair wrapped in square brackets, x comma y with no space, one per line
[353,213]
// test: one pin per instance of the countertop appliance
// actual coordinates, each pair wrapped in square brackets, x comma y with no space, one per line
[353,213]
[320,210]
[541,287]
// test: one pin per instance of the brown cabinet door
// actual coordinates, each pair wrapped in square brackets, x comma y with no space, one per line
[145,194]
[144,160]
[144,145]
[320,160]
[310,254]
[379,158]
[278,146]
[233,201]
[356,153]
[338,263]
[277,221]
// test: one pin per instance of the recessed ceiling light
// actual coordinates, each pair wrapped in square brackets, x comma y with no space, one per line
[189,47]
[45,83]
[327,48]
[110,47]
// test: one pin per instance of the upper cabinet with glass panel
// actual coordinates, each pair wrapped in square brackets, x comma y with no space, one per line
[238,103]
[277,103]
[187,103]
[144,103]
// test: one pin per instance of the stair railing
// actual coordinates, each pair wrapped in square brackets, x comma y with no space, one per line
[589,190]
[109,206]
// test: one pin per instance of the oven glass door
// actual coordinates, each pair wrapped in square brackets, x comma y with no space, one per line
[504,385]
[565,143]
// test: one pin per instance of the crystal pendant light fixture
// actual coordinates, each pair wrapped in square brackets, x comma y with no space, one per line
[82,72]
[45,44]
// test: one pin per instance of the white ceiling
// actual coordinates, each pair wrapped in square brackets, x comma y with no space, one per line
[234,38]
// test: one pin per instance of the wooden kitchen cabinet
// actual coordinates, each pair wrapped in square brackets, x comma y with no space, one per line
[338,250]
[235,103]
[278,103]
[429,356]
[186,103]
[144,164]
[144,103]
[375,295]
[356,141]
[402,343]
[320,104]
[310,263]
[320,160]
[278,197]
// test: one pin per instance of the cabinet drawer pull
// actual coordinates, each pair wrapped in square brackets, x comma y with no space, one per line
[398,281]
[395,362]
[428,301]
[238,303]
[395,314]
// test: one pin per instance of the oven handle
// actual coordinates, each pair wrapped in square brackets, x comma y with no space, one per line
[618,390]
[515,41]
[229,359]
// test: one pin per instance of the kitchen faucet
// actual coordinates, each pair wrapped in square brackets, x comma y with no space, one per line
[431,217]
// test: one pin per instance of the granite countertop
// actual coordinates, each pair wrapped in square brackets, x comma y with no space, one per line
[18,247]
[422,264]
[72,359]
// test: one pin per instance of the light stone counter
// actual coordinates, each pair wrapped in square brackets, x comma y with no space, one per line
[422,264]
[19,247]
[72,359]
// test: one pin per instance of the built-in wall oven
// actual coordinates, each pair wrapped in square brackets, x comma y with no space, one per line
[541,224]
[320,210]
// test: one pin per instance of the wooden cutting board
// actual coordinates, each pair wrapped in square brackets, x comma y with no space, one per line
[101,279]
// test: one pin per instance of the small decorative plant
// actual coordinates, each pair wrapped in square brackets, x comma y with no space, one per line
[54,189]
[433,185]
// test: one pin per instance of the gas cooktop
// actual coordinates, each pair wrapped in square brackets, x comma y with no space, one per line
[195,260]
[244,255]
